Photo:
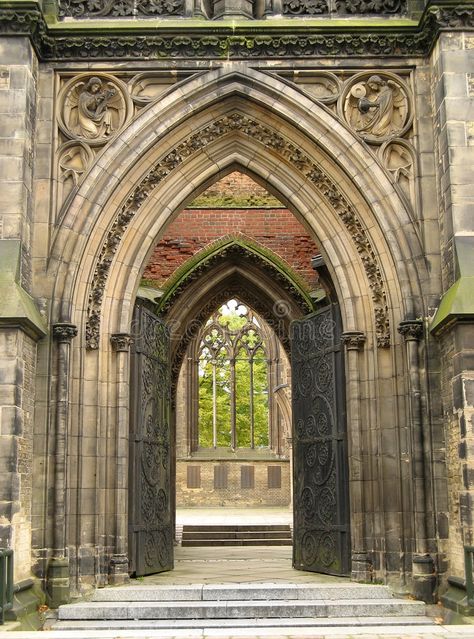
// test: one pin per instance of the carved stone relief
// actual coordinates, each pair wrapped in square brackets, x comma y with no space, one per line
[398,157]
[93,108]
[323,87]
[326,186]
[74,158]
[377,106]
[122,8]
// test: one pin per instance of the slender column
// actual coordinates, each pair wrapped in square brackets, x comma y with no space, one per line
[58,567]
[118,566]
[423,565]
[361,565]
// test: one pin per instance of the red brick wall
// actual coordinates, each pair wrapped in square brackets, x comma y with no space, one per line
[276,229]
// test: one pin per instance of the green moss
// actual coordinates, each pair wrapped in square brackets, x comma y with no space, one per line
[242,201]
[183,273]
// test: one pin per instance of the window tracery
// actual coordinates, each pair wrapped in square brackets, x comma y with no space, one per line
[233,374]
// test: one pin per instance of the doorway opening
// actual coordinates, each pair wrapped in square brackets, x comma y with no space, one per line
[227,282]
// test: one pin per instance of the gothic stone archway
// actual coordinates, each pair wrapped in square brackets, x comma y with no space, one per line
[329,179]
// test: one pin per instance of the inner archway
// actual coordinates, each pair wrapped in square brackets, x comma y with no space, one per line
[229,308]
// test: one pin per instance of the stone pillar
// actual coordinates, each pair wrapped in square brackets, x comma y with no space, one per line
[424,576]
[58,567]
[361,569]
[118,567]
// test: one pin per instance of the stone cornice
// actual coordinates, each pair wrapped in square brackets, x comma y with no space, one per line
[195,39]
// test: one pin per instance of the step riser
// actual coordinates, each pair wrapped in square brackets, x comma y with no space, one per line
[291,624]
[247,528]
[235,542]
[258,534]
[237,610]
[269,592]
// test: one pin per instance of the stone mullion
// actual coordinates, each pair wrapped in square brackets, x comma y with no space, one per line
[251,407]
[58,568]
[233,403]
[423,565]
[118,568]
[361,568]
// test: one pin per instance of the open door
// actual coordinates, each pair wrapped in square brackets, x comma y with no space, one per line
[321,503]
[150,501]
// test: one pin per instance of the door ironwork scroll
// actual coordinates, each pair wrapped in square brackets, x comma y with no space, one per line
[150,504]
[321,502]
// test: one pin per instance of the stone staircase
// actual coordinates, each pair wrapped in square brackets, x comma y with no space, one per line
[252,606]
[237,535]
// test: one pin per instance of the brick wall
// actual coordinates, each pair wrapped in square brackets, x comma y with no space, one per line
[194,229]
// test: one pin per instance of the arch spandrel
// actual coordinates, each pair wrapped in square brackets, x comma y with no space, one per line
[307,125]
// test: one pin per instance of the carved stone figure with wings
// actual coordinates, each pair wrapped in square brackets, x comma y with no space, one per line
[92,109]
[377,108]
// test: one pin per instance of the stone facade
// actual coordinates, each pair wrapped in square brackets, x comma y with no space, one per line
[362,128]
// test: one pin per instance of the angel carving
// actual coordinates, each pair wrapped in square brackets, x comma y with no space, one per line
[93,110]
[377,108]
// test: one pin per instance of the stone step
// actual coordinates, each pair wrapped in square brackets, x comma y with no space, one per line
[238,609]
[244,534]
[244,592]
[234,624]
[235,542]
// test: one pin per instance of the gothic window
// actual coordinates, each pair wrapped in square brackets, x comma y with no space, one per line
[233,380]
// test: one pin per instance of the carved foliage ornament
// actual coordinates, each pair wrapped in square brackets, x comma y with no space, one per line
[376,106]
[120,8]
[52,46]
[327,187]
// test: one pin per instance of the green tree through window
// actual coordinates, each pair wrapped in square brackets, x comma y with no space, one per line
[233,380]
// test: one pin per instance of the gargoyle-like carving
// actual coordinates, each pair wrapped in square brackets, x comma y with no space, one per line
[93,108]
[376,106]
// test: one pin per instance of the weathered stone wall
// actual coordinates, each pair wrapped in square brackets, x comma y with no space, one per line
[453,104]
[18,97]
[17,393]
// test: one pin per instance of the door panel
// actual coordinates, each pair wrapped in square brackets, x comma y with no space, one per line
[150,500]
[321,504]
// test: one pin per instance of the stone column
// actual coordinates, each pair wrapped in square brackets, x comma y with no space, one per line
[423,565]
[361,564]
[118,567]
[58,567]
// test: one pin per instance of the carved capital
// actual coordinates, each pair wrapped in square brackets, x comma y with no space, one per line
[412,330]
[353,340]
[121,342]
[64,332]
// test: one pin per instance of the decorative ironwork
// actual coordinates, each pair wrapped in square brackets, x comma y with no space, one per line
[319,446]
[150,475]
[327,187]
